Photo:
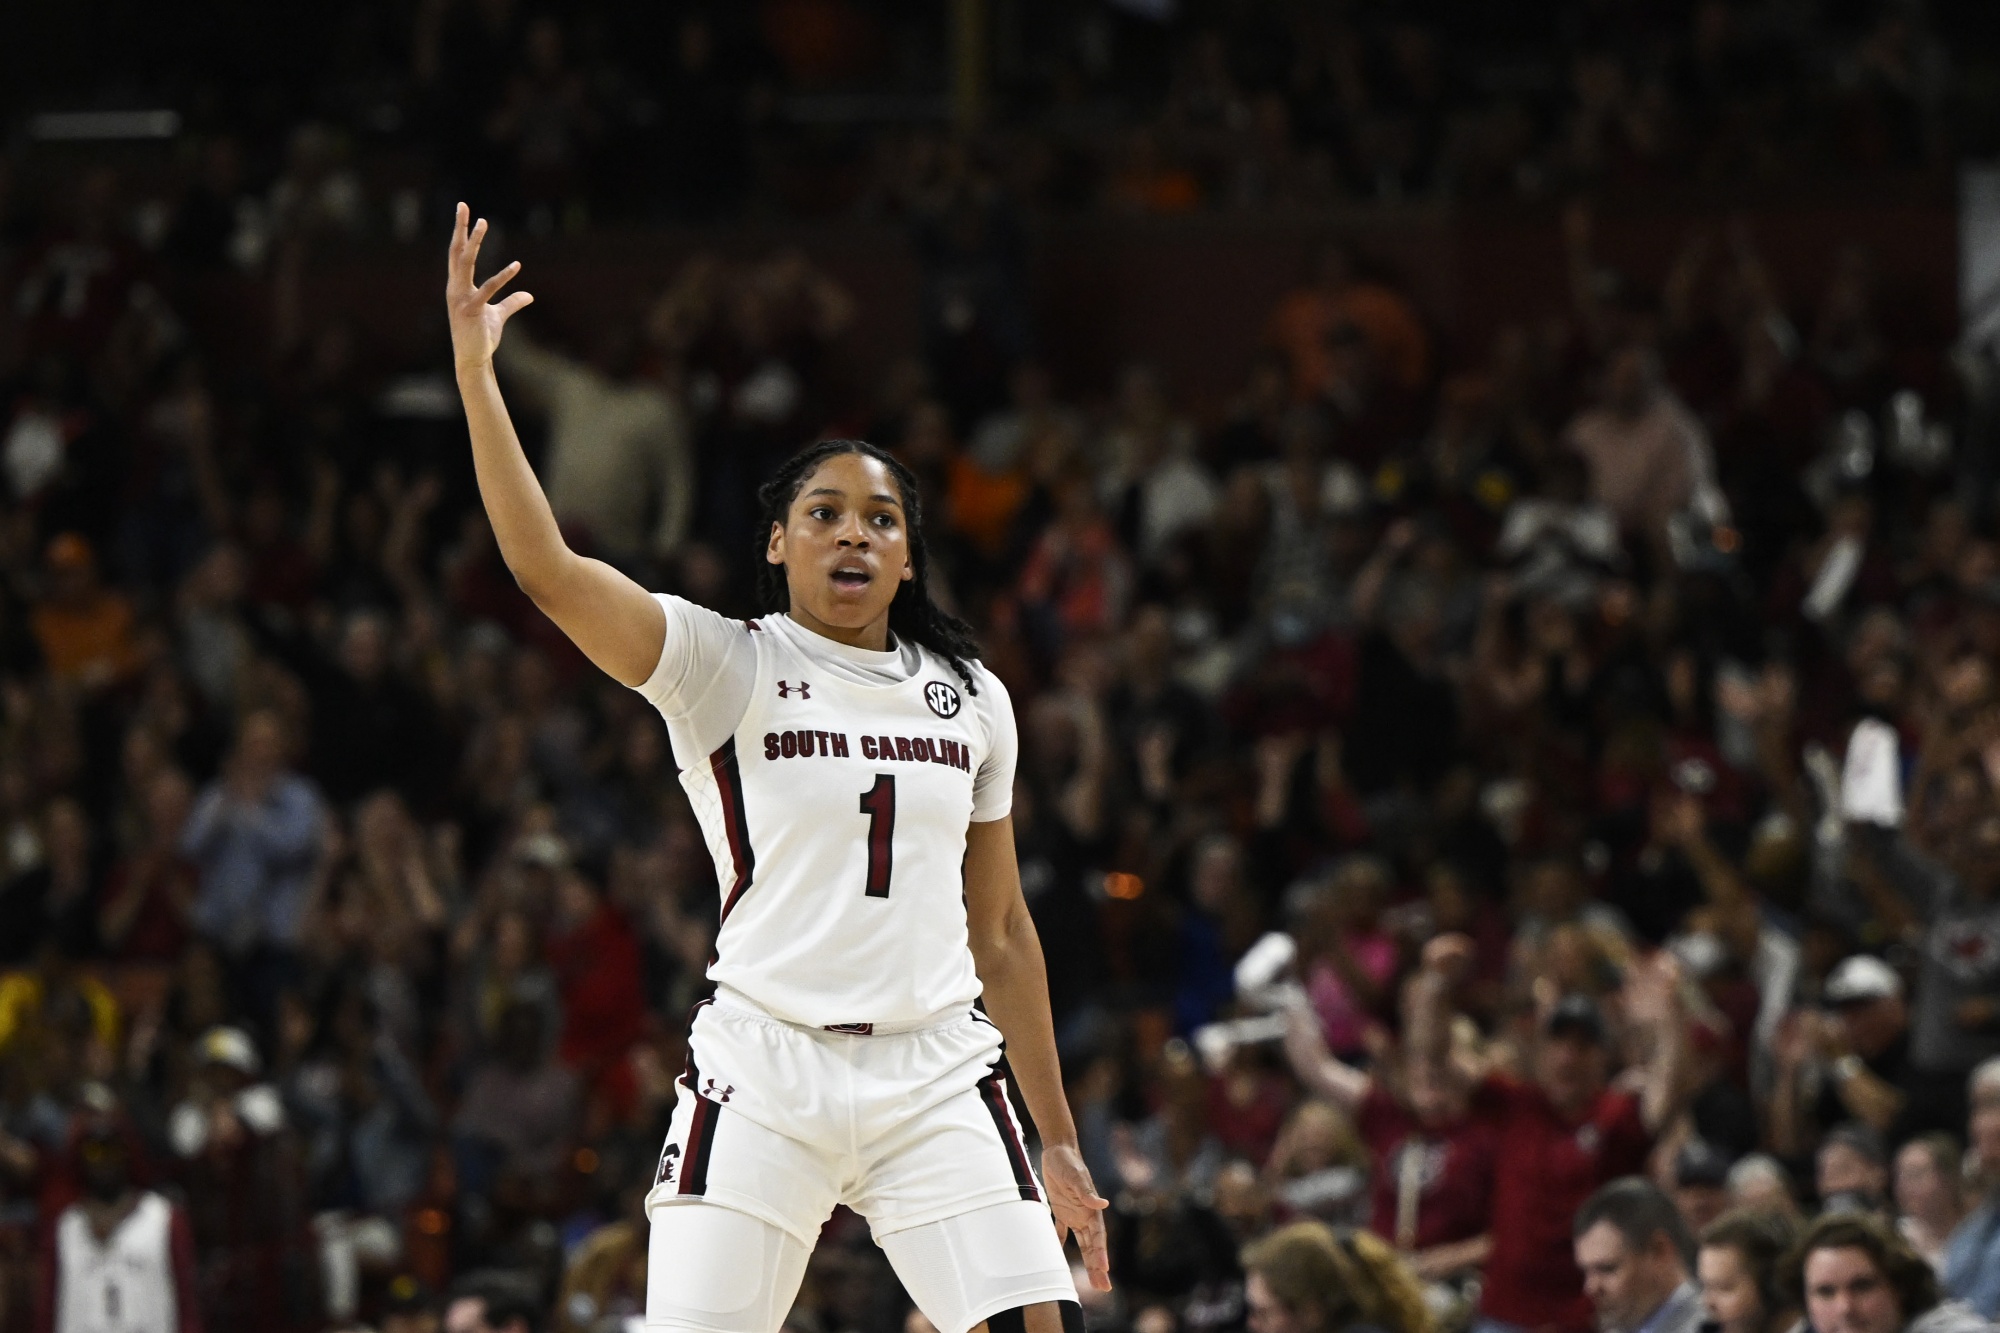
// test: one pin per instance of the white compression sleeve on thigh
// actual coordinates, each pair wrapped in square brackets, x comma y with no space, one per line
[965,1268]
[711,1269]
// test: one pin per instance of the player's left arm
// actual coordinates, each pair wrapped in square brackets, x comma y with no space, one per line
[1008,955]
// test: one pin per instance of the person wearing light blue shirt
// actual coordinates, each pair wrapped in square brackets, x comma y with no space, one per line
[254,835]
[1634,1247]
[1971,1269]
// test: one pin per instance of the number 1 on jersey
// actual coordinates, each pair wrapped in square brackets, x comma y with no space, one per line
[879,804]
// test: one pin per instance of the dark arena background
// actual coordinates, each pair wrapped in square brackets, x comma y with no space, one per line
[1487,513]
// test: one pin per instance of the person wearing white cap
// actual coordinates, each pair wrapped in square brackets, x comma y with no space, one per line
[1941,884]
[1855,1052]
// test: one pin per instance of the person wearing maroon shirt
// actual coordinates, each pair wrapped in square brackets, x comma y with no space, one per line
[1559,1138]
[1432,1135]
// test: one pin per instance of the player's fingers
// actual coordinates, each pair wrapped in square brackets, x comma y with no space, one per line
[454,254]
[488,288]
[514,304]
[1096,1253]
[472,242]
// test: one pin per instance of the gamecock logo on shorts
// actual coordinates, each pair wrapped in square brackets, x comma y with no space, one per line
[942,698]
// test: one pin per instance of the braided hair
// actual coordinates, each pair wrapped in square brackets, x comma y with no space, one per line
[912,615]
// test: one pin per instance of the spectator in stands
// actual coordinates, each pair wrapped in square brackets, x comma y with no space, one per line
[606,1275]
[1648,455]
[1348,960]
[147,908]
[1335,295]
[84,629]
[1971,1268]
[372,727]
[1852,1170]
[1760,1183]
[1149,478]
[1862,1047]
[546,123]
[1633,1249]
[253,834]
[620,467]
[1738,1264]
[1929,1198]
[121,1256]
[1563,1136]
[1854,1274]
[1946,882]
[1701,1180]
[1433,1152]
[1312,1278]
[241,1167]
[519,1112]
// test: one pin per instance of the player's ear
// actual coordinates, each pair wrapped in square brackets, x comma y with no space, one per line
[774,550]
[909,570]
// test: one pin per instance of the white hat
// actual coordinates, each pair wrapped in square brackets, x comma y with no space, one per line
[230,1047]
[1862,977]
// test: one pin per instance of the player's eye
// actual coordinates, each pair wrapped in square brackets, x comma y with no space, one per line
[821,512]
[885,520]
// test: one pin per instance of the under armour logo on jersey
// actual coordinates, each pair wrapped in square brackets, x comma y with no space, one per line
[716,1094]
[667,1163]
[942,698]
[804,688]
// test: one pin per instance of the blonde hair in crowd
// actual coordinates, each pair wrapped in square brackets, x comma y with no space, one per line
[1345,1276]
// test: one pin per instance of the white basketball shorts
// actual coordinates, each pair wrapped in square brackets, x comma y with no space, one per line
[783,1122]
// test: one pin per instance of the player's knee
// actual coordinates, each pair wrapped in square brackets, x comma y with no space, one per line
[1041,1317]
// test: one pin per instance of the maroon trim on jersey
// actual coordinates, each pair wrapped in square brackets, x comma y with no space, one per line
[729,786]
[993,1091]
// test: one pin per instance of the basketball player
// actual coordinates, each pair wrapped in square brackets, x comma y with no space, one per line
[851,764]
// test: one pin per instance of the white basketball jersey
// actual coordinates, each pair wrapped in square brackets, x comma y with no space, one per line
[836,814]
[125,1284]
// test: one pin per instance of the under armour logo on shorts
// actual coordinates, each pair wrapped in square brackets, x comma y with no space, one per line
[715,1094]
[785,689]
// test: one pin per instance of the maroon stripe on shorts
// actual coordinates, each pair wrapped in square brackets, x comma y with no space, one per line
[993,1091]
[700,1143]
[729,786]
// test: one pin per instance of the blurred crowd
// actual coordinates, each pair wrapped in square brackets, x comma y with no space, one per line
[1452,781]
[356,121]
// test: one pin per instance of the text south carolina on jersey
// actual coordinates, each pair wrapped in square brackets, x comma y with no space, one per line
[897,749]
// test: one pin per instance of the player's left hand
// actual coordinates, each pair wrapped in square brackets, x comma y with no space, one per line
[1078,1208]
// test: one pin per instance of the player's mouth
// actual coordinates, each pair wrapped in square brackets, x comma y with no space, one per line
[852,576]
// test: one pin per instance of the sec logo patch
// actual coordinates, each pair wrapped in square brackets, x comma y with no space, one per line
[942,698]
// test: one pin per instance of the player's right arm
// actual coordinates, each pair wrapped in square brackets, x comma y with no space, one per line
[618,625]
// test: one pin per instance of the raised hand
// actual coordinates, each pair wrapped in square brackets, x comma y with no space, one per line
[476,321]
[1449,955]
